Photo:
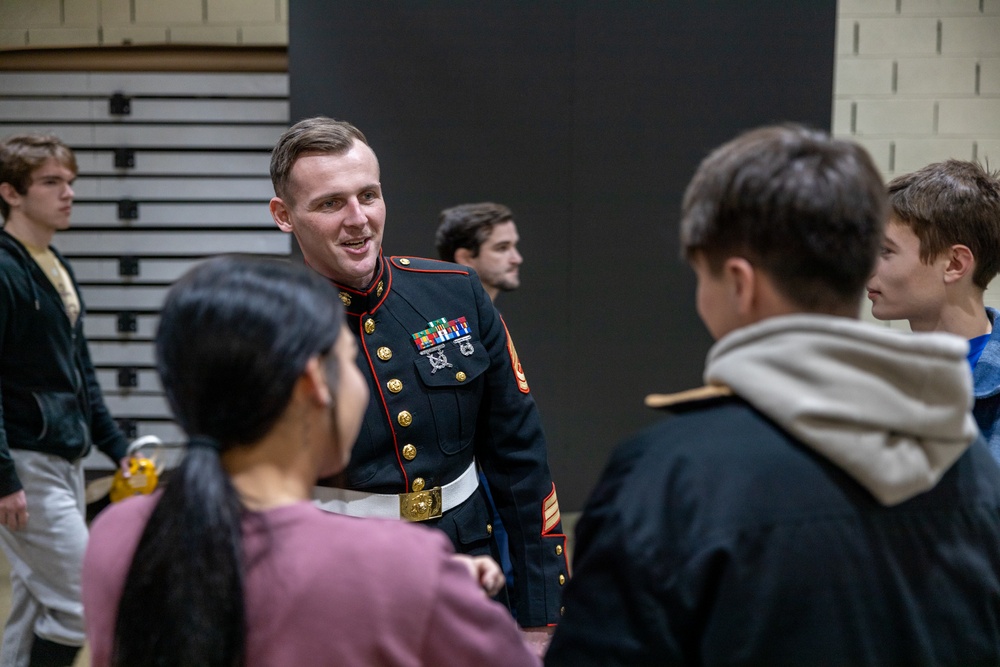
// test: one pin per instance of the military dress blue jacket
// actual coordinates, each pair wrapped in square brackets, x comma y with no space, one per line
[437,406]
[986,381]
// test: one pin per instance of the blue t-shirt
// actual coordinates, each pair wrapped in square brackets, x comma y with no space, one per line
[976,347]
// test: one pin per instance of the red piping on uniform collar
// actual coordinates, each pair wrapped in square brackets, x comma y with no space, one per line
[384,274]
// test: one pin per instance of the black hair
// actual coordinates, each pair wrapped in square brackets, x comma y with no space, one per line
[468,226]
[808,209]
[235,335]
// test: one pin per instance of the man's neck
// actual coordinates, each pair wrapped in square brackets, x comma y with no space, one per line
[28,233]
[967,319]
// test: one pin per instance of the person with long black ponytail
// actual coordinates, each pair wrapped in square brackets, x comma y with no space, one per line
[231,564]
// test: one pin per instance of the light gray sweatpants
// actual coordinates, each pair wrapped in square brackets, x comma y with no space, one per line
[45,557]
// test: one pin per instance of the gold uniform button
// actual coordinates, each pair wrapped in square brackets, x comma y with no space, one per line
[418,484]
[404,262]
[384,353]
[369,326]
[562,579]
[460,376]
[404,418]
[395,385]
[409,452]
[489,529]
[559,550]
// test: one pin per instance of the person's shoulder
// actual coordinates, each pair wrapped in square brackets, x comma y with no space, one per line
[700,412]
[10,253]
[427,266]
[130,511]
[422,281]
[699,398]
[115,532]
[702,429]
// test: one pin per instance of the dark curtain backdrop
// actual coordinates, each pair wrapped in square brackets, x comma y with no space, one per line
[587,118]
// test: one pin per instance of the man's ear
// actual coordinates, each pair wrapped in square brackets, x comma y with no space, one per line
[464,257]
[961,263]
[313,382]
[279,211]
[9,194]
[741,279]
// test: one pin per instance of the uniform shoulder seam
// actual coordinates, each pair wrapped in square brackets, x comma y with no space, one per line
[425,265]
[712,392]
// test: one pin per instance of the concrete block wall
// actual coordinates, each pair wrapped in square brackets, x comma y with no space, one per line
[26,23]
[918,81]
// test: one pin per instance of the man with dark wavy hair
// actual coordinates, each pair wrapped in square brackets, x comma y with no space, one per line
[482,236]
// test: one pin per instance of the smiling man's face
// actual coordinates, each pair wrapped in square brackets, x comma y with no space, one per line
[336,211]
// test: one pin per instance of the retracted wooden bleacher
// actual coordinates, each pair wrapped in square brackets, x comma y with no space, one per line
[173,168]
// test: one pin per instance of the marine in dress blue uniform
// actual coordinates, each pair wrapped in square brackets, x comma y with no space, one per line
[448,390]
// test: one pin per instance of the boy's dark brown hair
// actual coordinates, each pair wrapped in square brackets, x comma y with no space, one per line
[950,203]
[468,226]
[808,209]
[22,154]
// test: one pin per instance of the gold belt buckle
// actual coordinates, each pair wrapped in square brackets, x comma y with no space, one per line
[420,505]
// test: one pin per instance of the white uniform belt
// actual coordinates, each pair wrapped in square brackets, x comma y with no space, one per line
[416,506]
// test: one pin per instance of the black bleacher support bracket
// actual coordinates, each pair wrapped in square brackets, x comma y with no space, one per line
[128,266]
[129,427]
[124,158]
[128,209]
[127,322]
[128,377]
[119,105]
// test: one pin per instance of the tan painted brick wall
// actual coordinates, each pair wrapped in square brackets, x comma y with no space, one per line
[246,12]
[934,76]
[97,22]
[921,77]
[918,81]
[115,13]
[934,7]
[974,34]
[895,36]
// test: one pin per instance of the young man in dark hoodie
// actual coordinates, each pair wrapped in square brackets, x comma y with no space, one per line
[52,408]
[824,499]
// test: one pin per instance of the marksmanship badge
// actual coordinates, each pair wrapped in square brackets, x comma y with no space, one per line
[432,340]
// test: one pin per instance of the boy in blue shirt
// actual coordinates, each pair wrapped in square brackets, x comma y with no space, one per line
[941,250]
